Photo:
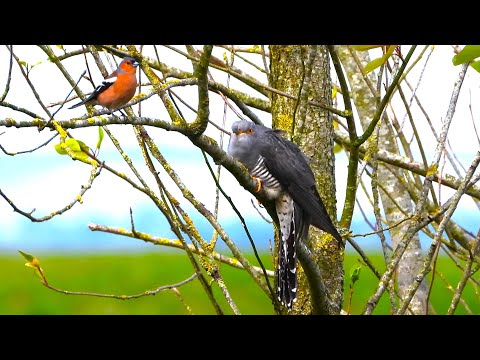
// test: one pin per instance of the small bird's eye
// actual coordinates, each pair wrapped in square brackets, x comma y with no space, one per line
[250,131]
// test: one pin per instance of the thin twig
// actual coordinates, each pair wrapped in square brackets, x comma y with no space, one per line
[449,287]
[471,115]
[182,300]
[30,84]
[434,271]
[378,114]
[122,297]
[9,77]
[384,229]
[78,198]
[28,151]
[365,218]
[259,213]
[463,281]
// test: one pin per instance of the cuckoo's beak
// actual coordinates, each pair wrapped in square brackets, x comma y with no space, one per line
[239,132]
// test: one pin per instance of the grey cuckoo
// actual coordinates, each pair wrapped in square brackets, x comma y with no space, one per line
[282,170]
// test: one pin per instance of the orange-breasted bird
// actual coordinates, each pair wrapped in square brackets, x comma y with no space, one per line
[114,95]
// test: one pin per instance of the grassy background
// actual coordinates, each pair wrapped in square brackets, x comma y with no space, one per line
[21,292]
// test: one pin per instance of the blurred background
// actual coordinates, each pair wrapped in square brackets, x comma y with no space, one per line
[77,259]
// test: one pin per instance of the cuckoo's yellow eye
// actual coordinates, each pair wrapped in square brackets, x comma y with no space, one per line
[250,131]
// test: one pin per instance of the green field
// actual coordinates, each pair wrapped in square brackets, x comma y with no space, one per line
[21,291]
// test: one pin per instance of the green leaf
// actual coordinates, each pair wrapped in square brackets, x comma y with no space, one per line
[73,144]
[80,155]
[23,63]
[476,65]
[372,65]
[27,257]
[337,148]
[389,52]
[83,146]
[58,149]
[354,275]
[334,92]
[33,263]
[365,47]
[100,137]
[468,53]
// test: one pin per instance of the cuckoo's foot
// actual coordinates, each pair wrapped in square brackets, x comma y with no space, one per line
[259,183]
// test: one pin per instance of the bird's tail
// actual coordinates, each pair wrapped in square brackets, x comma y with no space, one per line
[77,105]
[287,256]
[287,277]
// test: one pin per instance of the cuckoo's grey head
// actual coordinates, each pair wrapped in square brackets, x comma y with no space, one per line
[243,144]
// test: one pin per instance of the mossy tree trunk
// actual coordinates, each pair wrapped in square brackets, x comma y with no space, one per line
[304,71]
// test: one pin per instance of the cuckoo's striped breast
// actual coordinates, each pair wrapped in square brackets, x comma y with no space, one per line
[269,183]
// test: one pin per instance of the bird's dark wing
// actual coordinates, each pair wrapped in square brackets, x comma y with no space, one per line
[290,167]
[98,90]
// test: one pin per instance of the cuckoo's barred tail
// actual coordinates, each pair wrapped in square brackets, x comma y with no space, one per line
[287,271]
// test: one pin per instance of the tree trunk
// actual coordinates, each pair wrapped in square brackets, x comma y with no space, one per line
[304,71]
[365,103]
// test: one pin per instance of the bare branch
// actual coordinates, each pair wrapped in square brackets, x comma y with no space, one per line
[172,243]
[463,281]
[408,164]
[95,172]
[383,229]
[320,300]
[122,297]
[259,213]
[449,287]
[203,112]
[9,77]
[385,100]
[28,151]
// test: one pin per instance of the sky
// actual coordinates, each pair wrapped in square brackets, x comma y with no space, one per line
[46,181]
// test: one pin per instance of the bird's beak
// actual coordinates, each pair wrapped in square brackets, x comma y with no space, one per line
[135,64]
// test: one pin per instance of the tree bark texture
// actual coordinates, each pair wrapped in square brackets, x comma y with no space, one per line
[304,71]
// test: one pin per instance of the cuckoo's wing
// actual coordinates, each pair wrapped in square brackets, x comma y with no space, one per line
[290,167]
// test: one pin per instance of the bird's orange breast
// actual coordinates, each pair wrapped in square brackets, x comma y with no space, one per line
[119,93]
